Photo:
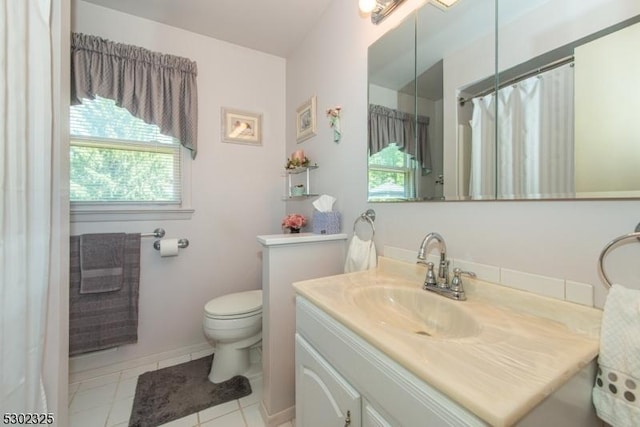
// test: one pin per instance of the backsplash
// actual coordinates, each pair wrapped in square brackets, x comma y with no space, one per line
[567,290]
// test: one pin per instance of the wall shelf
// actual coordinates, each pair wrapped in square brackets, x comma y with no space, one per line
[289,183]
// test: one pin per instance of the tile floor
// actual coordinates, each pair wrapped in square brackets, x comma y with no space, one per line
[106,401]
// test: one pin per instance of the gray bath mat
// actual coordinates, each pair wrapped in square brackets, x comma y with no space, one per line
[177,391]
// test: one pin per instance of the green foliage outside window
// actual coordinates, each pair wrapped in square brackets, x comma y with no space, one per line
[104,174]
[389,171]
[116,157]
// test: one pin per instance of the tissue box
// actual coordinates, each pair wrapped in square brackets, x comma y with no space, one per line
[326,222]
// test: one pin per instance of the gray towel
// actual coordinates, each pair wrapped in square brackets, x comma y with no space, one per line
[103,320]
[101,260]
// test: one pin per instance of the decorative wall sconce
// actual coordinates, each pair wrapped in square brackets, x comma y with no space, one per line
[379,9]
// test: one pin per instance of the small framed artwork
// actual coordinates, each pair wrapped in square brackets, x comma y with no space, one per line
[306,120]
[241,127]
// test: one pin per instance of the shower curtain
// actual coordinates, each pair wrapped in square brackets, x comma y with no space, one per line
[25,225]
[482,180]
[534,153]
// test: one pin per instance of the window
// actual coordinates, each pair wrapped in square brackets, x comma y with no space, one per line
[118,158]
[391,175]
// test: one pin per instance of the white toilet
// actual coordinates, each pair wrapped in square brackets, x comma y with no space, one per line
[234,323]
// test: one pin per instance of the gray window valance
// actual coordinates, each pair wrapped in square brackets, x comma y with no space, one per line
[157,88]
[410,133]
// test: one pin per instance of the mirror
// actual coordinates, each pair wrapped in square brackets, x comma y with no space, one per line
[567,73]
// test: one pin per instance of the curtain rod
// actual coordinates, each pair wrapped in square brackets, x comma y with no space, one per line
[519,78]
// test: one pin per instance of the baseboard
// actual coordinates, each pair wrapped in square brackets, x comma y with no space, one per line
[275,420]
[82,367]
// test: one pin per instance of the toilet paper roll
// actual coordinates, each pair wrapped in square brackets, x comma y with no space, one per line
[169,247]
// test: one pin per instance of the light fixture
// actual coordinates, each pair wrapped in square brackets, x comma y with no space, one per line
[367,6]
[379,9]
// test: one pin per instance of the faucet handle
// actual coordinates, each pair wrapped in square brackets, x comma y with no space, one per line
[459,271]
[430,280]
[456,282]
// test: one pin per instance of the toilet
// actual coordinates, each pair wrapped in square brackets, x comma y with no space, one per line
[234,323]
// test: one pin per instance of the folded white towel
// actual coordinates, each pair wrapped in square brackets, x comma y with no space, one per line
[616,394]
[361,255]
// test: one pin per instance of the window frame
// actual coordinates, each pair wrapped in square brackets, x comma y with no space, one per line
[408,170]
[95,211]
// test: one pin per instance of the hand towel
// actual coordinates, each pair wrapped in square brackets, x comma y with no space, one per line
[616,394]
[361,255]
[101,260]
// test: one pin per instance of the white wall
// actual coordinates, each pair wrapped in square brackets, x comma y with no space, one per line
[559,239]
[236,193]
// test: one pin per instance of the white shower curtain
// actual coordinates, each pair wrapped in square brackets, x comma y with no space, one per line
[482,181]
[25,224]
[535,139]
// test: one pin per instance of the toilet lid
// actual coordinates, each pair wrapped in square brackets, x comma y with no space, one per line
[235,304]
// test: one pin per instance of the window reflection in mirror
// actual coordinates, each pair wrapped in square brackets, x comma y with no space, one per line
[415,86]
[392,163]
[569,73]
[391,174]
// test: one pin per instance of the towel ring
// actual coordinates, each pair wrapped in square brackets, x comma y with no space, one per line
[369,216]
[609,245]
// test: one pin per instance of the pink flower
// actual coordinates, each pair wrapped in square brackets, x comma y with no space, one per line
[294,221]
[334,112]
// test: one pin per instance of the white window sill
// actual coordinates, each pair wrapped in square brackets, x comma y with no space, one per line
[102,214]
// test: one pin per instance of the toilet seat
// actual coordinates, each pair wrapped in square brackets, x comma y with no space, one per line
[235,305]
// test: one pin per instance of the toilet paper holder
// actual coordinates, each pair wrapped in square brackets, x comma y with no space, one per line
[182,243]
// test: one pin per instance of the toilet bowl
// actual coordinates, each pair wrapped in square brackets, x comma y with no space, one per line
[234,323]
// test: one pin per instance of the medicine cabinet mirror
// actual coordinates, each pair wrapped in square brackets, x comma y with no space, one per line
[560,126]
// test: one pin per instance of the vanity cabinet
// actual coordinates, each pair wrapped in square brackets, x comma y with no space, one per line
[323,396]
[337,371]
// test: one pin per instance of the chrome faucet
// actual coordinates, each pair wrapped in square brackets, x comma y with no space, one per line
[443,267]
[441,285]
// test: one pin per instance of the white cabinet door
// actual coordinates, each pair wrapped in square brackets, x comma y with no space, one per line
[323,397]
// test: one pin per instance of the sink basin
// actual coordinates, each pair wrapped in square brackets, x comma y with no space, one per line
[415,311]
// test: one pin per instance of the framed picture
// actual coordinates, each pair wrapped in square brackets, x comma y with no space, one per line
[306,120]
[241,127]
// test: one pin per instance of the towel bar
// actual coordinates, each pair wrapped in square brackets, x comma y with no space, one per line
[608,247]
[158,233]
[369,216]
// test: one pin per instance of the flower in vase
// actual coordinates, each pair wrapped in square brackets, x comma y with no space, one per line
[296,162]
[294,221]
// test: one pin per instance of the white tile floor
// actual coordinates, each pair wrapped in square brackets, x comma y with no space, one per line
[107,401]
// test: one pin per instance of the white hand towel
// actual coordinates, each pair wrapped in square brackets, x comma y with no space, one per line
[361,255]
[616,394]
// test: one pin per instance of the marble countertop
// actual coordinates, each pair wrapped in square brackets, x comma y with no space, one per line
[526,347]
